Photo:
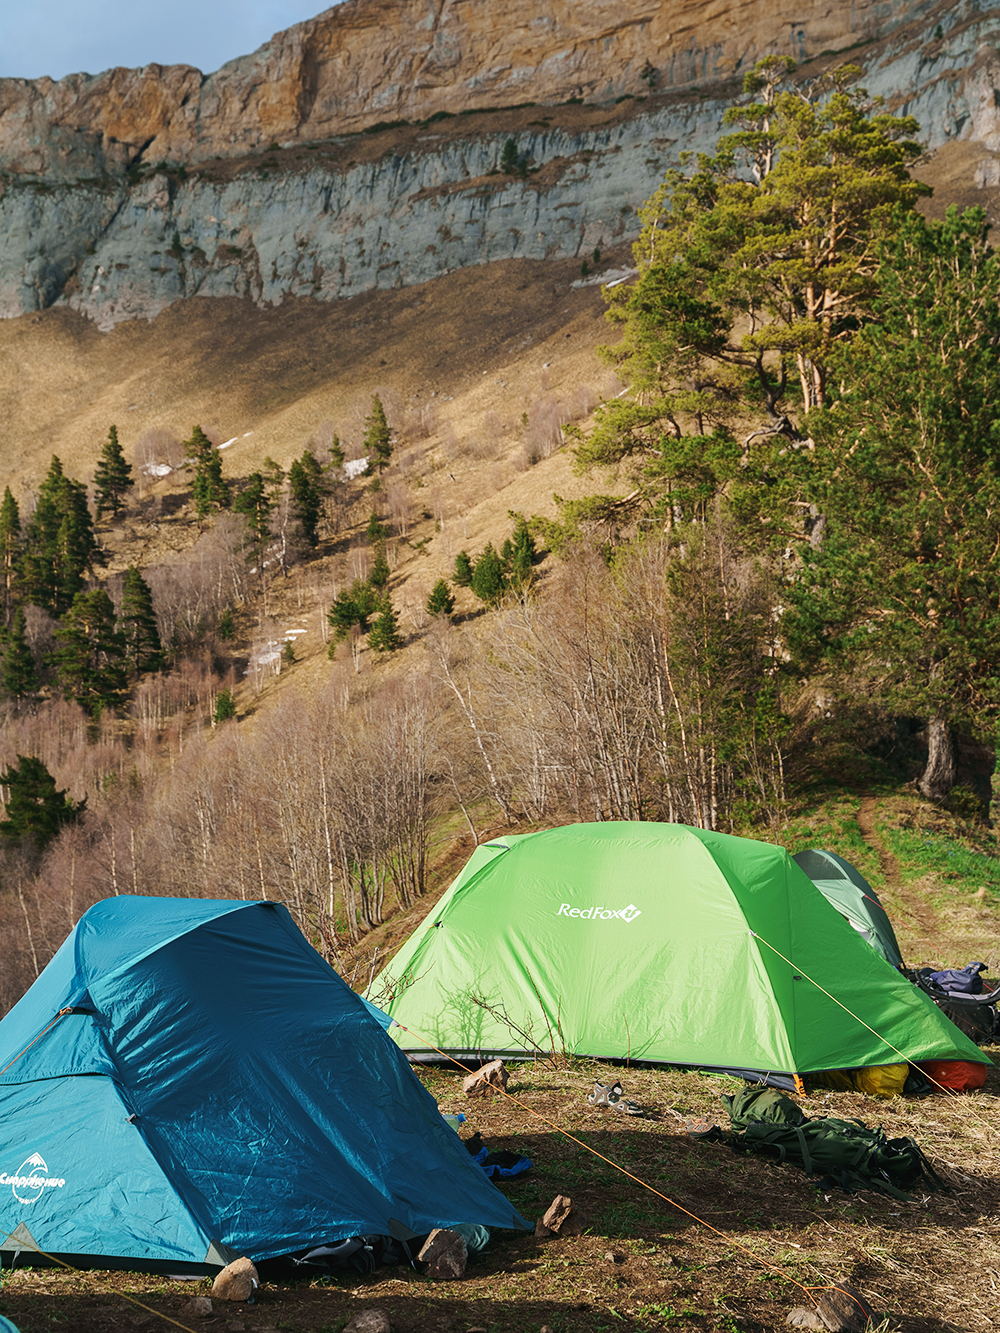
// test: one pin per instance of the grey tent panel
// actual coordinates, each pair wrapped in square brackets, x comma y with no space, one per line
[846,889]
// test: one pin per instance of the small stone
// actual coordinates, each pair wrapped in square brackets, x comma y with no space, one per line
[491,1078]
[445,1254]
[200,1307]
[375,1320]
[609,1255]
[843,1309]
[237,1282]
[562,1219]
[545,1328]
[802,1317]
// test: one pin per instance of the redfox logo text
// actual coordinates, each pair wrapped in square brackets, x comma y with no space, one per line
[599,913]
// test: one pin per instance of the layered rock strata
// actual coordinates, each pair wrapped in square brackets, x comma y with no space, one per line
[108,199]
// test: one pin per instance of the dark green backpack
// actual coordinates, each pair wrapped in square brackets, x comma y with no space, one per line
[845,1153]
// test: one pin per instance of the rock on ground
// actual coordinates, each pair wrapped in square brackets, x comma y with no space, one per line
[445,1254]
[375,1320]
[237,1282]
[491,1078]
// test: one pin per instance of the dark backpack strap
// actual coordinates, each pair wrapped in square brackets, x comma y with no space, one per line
[404,1237]
[803,1145]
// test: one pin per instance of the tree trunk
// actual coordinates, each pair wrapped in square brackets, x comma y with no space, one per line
[939,776]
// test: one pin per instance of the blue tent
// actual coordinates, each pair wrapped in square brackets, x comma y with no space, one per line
[188,1081]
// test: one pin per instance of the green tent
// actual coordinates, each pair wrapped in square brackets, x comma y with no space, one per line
[656,942]
[845,888]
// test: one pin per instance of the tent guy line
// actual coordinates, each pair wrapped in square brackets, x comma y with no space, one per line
[638,1179]
[805,977]
[61,1014]
[54,1258]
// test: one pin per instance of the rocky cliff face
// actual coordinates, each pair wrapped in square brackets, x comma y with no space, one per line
[124,192]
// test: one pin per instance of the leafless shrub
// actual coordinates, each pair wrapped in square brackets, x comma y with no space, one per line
[156,449]
[412,460]
[38,631]
[419,421]
[399,501]
[580,402]
[192,593]
[449,446]
[482,448]
[543,432]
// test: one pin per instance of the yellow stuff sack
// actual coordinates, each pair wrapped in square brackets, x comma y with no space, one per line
[880,1080]
[876,1080]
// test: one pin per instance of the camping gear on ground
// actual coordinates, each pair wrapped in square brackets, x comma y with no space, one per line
[502,1164]
[960,980]
[845,888]
[955,1075]
[845,1153]
[659,943]
[365,1254]
[974,1014]
[875,1081]
[188,1081]
[498,1165]
[611,1095]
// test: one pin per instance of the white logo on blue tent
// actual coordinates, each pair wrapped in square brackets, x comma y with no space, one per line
[31,1179]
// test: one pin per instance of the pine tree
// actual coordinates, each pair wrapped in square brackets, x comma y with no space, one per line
[354,606]
[902,595]
[59,545]
[307,486]
[225,627]
[441,601]
[522,557]
[137,622]
[376,531]
[379,576]
[90,660]
[384,636]
[113,476]
[377,442]
[19,677]
[208,489]
[336,452]
[274,474]
[255,504]
[752,270]
[36,811]
[10,550]
[463,570]
[225,706]
[488,582]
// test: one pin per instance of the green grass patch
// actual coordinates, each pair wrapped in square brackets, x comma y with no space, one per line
[922,852]
[832,826]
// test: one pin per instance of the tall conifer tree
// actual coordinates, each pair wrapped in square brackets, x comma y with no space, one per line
[10,550]
[90,659]
[113,477]
[137,623]
[18,675]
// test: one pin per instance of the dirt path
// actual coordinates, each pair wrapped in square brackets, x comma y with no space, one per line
[907,898]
